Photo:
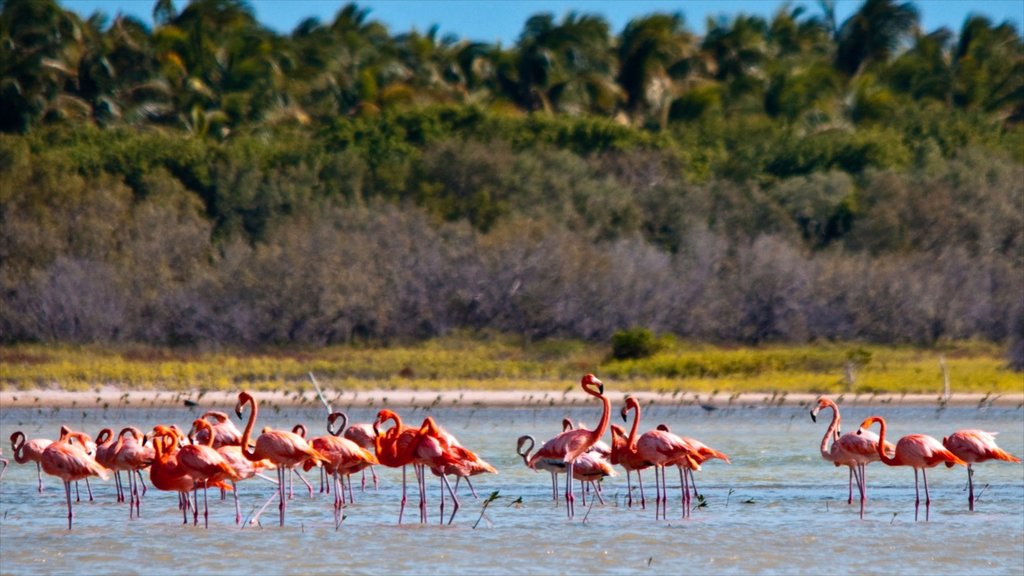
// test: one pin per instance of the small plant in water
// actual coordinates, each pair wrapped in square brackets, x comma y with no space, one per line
[701,502]
[483,510]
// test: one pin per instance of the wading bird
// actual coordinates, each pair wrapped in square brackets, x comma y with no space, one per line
[852,450]
[973,446]
[569,445]
[917,451]
[70,462]
[285,449]
[26,451]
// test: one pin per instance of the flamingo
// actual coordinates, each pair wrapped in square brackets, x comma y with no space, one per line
[345,457]
[917,451]
[222,430]
[131,455]
[164,472]
[299,429]
[362,434]
[470,464]
[662,445]
[205,465]
[105,442]
[26,451]
[591,468]
[552,465]
[975,446]
[285,449]
[70,462]
[629,460]
[569,445]
[852,450]
[232,455]
[401,445]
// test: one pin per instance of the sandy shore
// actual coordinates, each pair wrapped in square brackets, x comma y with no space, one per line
[115,397]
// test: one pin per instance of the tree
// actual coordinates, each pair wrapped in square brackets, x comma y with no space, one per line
[873,34]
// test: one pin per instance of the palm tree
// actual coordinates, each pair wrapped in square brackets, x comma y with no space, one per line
[654,51]
[988,68]
[873,34]
[38,58]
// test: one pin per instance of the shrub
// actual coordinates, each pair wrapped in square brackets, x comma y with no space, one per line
[634,343]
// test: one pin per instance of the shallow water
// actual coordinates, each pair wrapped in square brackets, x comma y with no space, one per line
[778,508]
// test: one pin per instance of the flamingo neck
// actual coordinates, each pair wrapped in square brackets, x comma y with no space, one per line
[251,456]
[602,424]
[19,450]
[209,437]
[894,461]
[631,441]
[832,427]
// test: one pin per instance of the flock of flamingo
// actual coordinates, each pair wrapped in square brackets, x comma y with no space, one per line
[214,453]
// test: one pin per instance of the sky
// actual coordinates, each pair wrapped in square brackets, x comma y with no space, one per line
[502,20]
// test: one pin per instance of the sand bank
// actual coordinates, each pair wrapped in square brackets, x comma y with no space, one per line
[115,397]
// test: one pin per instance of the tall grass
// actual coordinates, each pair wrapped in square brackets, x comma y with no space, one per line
[500,363]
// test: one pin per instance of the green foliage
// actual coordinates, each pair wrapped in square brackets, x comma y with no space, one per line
[634,343]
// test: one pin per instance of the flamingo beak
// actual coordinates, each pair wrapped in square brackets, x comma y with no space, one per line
[238,411]
[814,415]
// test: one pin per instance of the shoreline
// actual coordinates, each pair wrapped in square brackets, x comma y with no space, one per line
[108,397]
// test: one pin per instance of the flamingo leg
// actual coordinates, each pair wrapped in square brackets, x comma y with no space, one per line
[141,481]
[455,499]
[657,494]
[284,497]
[471,489]
[89,489]
[861,486]
[78,497]
[629,490]
[238,509]
[423,494]
[970,488]
[373,472]
[570,500]
[849,498]
[693,482]
[206,507]
[291,485]
[117,485]
[927,498]
[917,495]
[39,476]
[351,498]
[643,499]
[304,481]
[554,487]
[274,496]
[440,520]
[131,497]
[664,494]
[597,492]
[684,489]
[67,492]
[195,505]
[401,510]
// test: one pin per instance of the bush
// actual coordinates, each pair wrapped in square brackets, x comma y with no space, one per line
[634,343]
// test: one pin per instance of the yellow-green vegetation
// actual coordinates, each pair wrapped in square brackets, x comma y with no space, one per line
[498,363]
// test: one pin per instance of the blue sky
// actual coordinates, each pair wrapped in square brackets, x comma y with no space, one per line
[502,20]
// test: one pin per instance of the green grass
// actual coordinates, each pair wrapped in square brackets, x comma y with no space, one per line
[502,363]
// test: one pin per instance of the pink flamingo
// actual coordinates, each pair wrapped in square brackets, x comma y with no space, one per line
[131,455]
[285,449]
[661,445]
[854,450]
[205,465]
[70,462]
[623,456]
[453,459]
[555,466]
[26,451]
[917,451]
[362,435]
[165,473]
[345,457]
[223,430]
[232,455]
[569,445]
[975,446]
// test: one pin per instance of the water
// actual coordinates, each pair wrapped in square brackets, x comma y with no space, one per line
[777,509]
